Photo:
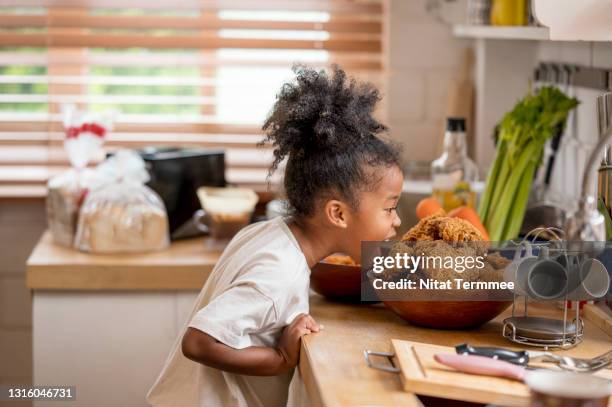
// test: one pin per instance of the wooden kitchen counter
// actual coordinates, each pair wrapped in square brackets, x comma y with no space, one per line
[158,291]
[185,265]
[336,374]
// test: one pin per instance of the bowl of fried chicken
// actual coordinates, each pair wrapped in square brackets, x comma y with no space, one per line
[447,237]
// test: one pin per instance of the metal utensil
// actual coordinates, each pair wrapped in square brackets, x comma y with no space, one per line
[584,365]
[604,118]
[587,224]
[524,357]
[604,174]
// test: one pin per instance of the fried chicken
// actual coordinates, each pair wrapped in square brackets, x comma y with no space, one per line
[341,259]
[440,227]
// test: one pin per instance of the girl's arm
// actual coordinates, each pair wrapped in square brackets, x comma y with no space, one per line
[254,360]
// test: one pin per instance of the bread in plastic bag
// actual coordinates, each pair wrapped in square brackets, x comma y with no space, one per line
[121,214]
[65,194]
[85,133]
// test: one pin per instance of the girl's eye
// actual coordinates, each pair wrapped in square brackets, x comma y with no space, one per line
[389,210]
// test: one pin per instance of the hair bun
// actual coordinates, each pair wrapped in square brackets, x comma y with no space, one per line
[318,112]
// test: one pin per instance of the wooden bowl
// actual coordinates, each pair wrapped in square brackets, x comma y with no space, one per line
[448,314]
[336,281]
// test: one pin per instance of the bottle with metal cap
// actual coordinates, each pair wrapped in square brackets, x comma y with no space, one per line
[604,179]
[453,173]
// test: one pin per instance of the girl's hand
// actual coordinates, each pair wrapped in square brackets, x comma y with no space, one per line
[289,343]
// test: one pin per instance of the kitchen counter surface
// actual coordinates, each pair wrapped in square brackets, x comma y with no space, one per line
[332,364]
[185,265]
[334,369]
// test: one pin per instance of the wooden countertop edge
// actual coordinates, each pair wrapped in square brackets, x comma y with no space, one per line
[310,381]
[318,397]
[184,266]
[115,278]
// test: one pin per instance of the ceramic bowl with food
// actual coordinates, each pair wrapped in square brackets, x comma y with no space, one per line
[447,314]
[337,277]
[444,236]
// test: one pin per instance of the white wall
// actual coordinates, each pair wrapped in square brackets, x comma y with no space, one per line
[422,59]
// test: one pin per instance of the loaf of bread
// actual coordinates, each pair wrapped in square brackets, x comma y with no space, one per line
[111,223]
[65,194]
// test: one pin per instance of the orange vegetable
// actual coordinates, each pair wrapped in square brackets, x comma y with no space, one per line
[428,206]
[469,214]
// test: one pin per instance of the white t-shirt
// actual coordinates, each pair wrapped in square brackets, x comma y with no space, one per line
[259,285]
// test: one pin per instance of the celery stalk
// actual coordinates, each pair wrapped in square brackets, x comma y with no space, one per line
[507,167]
[500,187]
[492,180]
[514,220]
[506,200]
[523,131]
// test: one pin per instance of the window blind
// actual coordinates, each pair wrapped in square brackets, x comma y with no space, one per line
[187,72]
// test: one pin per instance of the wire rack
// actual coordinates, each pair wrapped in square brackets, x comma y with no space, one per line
[519,328]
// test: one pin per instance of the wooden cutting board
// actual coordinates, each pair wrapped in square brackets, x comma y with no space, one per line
[600,315]
[421,374]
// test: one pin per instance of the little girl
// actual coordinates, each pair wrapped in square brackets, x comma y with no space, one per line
[342,183]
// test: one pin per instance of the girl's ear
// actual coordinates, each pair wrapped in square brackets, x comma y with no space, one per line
[337,213]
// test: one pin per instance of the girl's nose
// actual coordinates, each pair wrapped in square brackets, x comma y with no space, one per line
[397,221]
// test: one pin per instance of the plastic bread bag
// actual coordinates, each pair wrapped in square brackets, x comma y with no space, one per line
[85,134]
[84,137]
[65,194]
[121,214]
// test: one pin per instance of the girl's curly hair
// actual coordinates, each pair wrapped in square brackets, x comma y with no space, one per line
[323,125]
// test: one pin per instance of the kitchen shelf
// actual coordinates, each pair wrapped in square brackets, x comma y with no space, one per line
[501,33]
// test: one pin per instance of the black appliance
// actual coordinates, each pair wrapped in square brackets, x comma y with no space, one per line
[176,174]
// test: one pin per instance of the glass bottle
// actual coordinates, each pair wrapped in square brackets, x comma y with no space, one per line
[453,173]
